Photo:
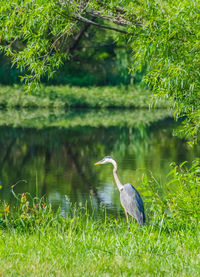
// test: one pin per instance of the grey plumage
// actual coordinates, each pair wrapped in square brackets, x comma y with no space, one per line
[132,203]
[129,196]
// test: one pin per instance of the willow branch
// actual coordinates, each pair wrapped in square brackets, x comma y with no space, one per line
[85,20]
[117,19]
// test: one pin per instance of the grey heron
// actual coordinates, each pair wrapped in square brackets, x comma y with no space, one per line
[129,196]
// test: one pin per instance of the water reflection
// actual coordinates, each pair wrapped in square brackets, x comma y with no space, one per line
[61,160]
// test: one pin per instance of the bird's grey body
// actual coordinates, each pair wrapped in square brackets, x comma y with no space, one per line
[129,196]
[132,203]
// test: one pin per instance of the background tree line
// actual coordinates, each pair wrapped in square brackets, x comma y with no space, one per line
[97,59]
[161,37]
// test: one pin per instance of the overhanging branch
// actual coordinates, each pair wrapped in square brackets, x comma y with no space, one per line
[85,20]
[118,20]
[116,16]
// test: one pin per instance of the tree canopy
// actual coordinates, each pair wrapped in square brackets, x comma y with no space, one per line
[164,37]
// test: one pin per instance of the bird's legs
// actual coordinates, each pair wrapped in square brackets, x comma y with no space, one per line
[127,218]
[126,215]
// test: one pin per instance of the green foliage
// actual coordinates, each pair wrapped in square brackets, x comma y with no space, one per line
[168,42]
[34,25]
[184,191]
[97,61]
[75,97]
[39,36]
[164,37]
[30,213]
[8,75]
[181,201]
[80,244]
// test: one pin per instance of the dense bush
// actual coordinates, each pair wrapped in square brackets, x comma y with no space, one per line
[180,203]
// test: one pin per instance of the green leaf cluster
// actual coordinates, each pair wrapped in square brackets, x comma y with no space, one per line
[184,190]
[30,32]
[168,42]
[181,201]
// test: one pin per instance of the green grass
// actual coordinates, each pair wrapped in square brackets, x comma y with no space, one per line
[36,241]
[67,107]
[70,97]
[100,250]
[40,242]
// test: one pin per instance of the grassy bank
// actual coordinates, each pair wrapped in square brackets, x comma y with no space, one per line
[35,241]
[46,244]
[70,97]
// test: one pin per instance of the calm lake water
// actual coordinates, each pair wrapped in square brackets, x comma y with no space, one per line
[58,152]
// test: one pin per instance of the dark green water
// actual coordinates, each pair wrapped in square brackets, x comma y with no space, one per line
[60,157]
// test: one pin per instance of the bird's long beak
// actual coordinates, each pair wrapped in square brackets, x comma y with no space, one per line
[98,163]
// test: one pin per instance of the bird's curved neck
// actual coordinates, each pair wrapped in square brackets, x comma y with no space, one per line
[118,183]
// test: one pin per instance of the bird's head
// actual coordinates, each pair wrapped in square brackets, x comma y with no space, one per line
[105,160]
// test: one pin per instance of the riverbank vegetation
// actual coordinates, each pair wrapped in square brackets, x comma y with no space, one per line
[65,107]
[131,97]
[84,246]
[36,241]
[151,43]
[152,36]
